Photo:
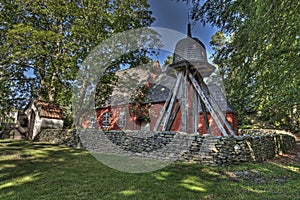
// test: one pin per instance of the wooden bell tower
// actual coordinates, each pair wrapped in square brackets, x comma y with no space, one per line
[190,66]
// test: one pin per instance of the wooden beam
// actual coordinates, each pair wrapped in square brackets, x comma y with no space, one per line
[216,106]
[195,111]
[163,112]
[184,105]
[220,113]
[204,112]
[173,116]
[201,83]
[208,105]
[170,107]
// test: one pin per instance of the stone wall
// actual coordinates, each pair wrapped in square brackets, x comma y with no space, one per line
[252,146]
[234,150]
[67,137]
[156,145]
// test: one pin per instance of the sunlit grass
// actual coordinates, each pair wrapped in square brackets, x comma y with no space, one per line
[250,189]
[289,167]
[162,175]
[129,192]
[193,183]
[18,181]
[42,171]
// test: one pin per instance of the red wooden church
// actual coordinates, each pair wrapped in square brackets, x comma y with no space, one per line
[173,99]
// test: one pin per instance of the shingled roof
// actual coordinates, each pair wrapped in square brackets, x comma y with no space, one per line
[50,110]
[47,109]
[191,52]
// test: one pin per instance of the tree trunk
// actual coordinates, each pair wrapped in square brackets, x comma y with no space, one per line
[294,117]
[54,78]
[51,94]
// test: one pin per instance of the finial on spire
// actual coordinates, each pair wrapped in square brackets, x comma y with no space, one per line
[189,32]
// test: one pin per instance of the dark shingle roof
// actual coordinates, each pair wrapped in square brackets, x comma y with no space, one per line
[158,93]
[191,52]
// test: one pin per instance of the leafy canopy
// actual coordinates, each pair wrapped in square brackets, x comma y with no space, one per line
[43,43]
[258,52]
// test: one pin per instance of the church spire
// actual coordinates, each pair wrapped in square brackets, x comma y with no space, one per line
[189,32]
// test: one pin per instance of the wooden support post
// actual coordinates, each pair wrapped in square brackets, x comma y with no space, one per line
[204,113]
[184,105]
[163,112]
[195,111]
[173,116]
[170,107]
[167,103]
[215,106]
[208,105]
[221,115]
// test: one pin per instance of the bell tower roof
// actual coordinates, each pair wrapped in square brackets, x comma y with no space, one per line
[191,52]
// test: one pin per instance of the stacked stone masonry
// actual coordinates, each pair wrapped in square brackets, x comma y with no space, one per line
[67,137]
[251,146]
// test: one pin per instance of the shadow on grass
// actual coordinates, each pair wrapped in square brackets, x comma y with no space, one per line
[43,171]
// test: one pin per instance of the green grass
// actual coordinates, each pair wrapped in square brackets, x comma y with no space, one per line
[43,171]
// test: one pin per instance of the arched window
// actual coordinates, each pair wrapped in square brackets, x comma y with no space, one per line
[122,118]
[106,119]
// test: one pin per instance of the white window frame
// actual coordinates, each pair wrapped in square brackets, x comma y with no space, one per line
[92,122]
[106,119]
[122,118]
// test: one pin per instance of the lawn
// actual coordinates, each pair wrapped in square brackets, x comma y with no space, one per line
[43,171]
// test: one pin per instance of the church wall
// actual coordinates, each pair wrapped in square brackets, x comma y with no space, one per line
[132,123]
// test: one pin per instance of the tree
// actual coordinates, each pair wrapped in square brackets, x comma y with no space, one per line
[44,42]
[169,60]
[259,54]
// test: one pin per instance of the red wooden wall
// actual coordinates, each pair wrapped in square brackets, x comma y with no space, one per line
[132,123]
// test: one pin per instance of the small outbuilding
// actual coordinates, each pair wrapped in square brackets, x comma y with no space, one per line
[39,115]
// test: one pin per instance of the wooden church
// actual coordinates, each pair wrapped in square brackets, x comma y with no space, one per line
[177,98]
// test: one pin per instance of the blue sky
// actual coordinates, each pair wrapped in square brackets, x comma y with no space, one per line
[174,15]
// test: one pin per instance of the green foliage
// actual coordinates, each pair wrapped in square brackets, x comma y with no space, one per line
[169,60]
[140,103]
[105,88]
[258,52]
[49,39]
